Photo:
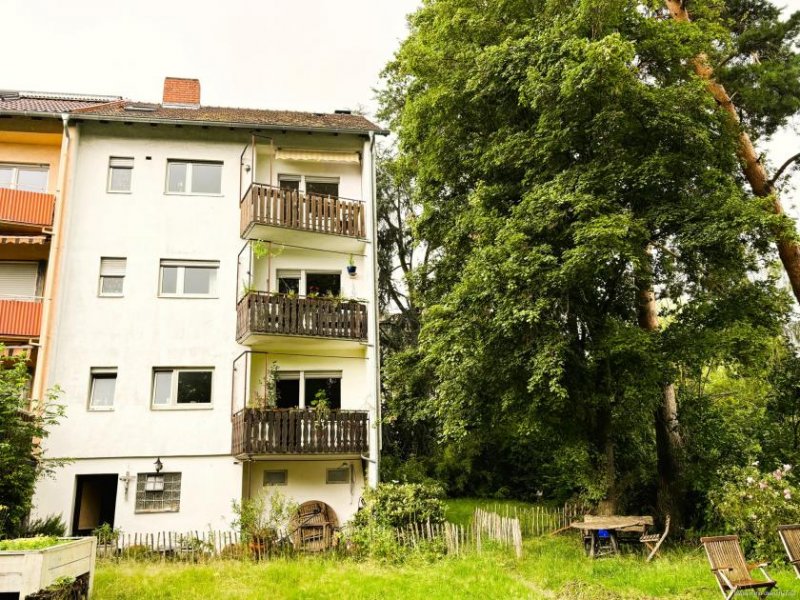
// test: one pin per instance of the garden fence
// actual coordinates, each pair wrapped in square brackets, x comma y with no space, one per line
[542,520]
[505,530]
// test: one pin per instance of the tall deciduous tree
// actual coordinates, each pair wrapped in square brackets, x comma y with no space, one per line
[576,177]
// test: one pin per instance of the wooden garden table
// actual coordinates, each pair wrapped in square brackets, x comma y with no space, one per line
[592,527]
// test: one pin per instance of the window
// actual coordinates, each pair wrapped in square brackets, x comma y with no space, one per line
[120,174]
[19,280]
[299,389]
[101,394]
[181,387]
[322,186]
[309,283]
[188,279]
[289,182]
[158,492]
[276,477]
[185,177]
[338,475]
[32,178]
[112,276]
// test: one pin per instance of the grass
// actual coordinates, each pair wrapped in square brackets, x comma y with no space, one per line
[552,568]
[25,544]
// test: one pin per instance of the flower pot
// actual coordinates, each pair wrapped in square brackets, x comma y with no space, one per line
[351,270]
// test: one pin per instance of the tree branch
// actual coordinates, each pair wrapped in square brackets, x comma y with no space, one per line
[782,168]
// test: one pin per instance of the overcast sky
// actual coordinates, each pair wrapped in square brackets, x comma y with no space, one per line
[316,55]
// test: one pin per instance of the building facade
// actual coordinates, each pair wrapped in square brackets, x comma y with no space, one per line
[216,330]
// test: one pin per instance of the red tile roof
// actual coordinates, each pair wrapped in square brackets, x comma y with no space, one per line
[47,103]
[226,116]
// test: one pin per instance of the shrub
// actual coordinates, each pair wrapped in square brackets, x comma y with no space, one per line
[51,525]
[265,517]
[105,534]
[752,503]
[398,504]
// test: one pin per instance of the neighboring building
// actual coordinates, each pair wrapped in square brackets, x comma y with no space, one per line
[204,246]
[34,159]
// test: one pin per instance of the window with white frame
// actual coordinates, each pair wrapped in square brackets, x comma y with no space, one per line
[277,477]
[175,388]
[338,475]
[188,279]
[120,174]
[31,178]
[158,492]
[309,184]
[103,386]
[112,276]
[194,177]
[302,389]
[309,283]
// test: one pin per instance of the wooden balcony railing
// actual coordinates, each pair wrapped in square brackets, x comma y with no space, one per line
[26,208]
[280,314]
[298,431]
[268,205]
[20,318]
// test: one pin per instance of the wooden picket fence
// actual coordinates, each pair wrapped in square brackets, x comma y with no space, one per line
[190,546]
[455,538]
[542,520]
[505,530]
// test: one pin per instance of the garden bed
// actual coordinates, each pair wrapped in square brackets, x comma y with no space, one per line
[30,565]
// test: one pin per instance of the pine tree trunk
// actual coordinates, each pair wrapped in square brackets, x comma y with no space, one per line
[669,442]
[788,249]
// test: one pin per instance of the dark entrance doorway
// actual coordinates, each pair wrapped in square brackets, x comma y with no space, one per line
[95,499]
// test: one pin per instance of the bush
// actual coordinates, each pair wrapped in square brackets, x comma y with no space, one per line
[752,503]
[51,525]
[398,504]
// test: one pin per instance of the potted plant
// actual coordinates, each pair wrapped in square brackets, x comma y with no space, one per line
[351,266]
[321,405]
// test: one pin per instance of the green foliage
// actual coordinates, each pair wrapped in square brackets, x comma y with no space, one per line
[22,462]
[106,534]
[25,544]
[565,160]
[51,525]
[398,504]
[321,405]
[264,517]
[752,503]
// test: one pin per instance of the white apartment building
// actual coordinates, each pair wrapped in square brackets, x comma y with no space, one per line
[216,329]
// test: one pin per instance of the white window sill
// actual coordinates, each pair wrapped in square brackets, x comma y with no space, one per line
[193,194]
[188,296]
[101,409]
[196,406]
[110,295]
[119,192]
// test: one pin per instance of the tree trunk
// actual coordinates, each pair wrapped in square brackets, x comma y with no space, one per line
[754,171]
[610,505]
[669,442]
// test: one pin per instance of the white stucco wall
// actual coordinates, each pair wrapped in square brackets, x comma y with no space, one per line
[141,331]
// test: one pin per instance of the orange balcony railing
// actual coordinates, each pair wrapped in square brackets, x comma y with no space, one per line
[20,318]
[26,208]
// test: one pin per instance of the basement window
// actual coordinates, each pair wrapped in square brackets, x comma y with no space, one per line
[339,475]
[280,477]
[158,492]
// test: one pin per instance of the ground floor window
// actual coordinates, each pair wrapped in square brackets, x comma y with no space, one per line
[158,492]
[279,477]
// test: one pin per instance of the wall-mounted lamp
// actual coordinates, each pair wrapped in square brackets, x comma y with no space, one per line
[158,464]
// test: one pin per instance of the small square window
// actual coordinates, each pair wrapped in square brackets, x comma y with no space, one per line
[101,394]
[276,477]
[112,276]
[158,492]
[120,174]
[188,279]
[339,475]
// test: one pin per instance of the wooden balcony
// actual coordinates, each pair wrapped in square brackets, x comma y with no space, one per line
[265,207]
[298,431]
[20,318]
[28,209]
[266,313]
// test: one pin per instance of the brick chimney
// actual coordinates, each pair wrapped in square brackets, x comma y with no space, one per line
[181,92]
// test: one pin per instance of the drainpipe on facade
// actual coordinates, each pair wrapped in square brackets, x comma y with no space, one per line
[375,449]
[53,267]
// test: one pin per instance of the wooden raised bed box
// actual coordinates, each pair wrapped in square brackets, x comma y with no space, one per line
[28,571]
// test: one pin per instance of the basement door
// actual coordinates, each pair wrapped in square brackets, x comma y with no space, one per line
[95,502]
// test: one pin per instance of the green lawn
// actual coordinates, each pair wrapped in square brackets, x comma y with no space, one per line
[552,567]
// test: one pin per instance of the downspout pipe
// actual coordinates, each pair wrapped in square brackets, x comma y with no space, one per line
[53,268]
[375,455]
